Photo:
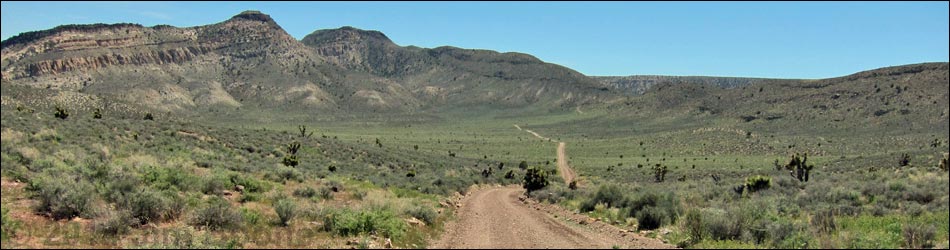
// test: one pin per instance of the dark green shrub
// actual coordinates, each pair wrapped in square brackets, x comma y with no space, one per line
[146,206]
[61,113]
[286,210]
[693,226]
[572,185]
[216,214]
[755,183]
[609,195]
[523,165]
[97,114]
[424,213]
[149,117]
[305,192]
[824,221]
[7,226]
[62,197]
[188,238]
[217,184]
[651,218]
[918,236]
[534,179]
[325,193]
[115,223]
[510,174]
[347,222]
[251,217]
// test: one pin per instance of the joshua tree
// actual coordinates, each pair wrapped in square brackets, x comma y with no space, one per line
[905,160]
[799,169]
[61,113]
[303,131]
[290,159]
[659,173]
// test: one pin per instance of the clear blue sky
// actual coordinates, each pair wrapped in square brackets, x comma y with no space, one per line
[761,39]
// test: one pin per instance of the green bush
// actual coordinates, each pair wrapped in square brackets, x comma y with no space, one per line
[653,210]
[217,184]
[188,238]
[62,197]
[147,206]
[286,210]
[326,193]
[347,222]
[305,192]
[651,218]
[251,217]
[8,226]
[606,194]
[534,179]
[693,226]
[918,235]
[424,213]
[115,223]
[217,213]
[755,183]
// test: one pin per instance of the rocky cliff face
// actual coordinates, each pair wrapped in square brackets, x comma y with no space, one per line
[249,61]
[639,84]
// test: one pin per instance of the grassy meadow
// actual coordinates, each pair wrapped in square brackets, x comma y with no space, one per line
[123,181]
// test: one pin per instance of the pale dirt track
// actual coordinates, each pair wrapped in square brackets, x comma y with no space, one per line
[567,173]
[498,218]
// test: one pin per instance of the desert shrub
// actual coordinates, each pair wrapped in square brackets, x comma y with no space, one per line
[251,217]
[652,209]
[305,192]
[250,197]
[250,184]
[423,212]
[7,226]
[286,210]
[523,165]
[650,218]
[216,214]
[62,196]
[755,183]
[918,235]
[348,222]
[188,238]
[325,193]
[146,206]
[553,194]
[148,117]
[534,179]
[824,221]
[359,194]
[606,194]
[115,223]
[216,184]
[693,226]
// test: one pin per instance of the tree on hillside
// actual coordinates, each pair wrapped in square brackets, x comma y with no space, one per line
[61,113]
[535,179]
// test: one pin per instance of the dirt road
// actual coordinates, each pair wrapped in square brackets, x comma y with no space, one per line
[498,218]
[567,173]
